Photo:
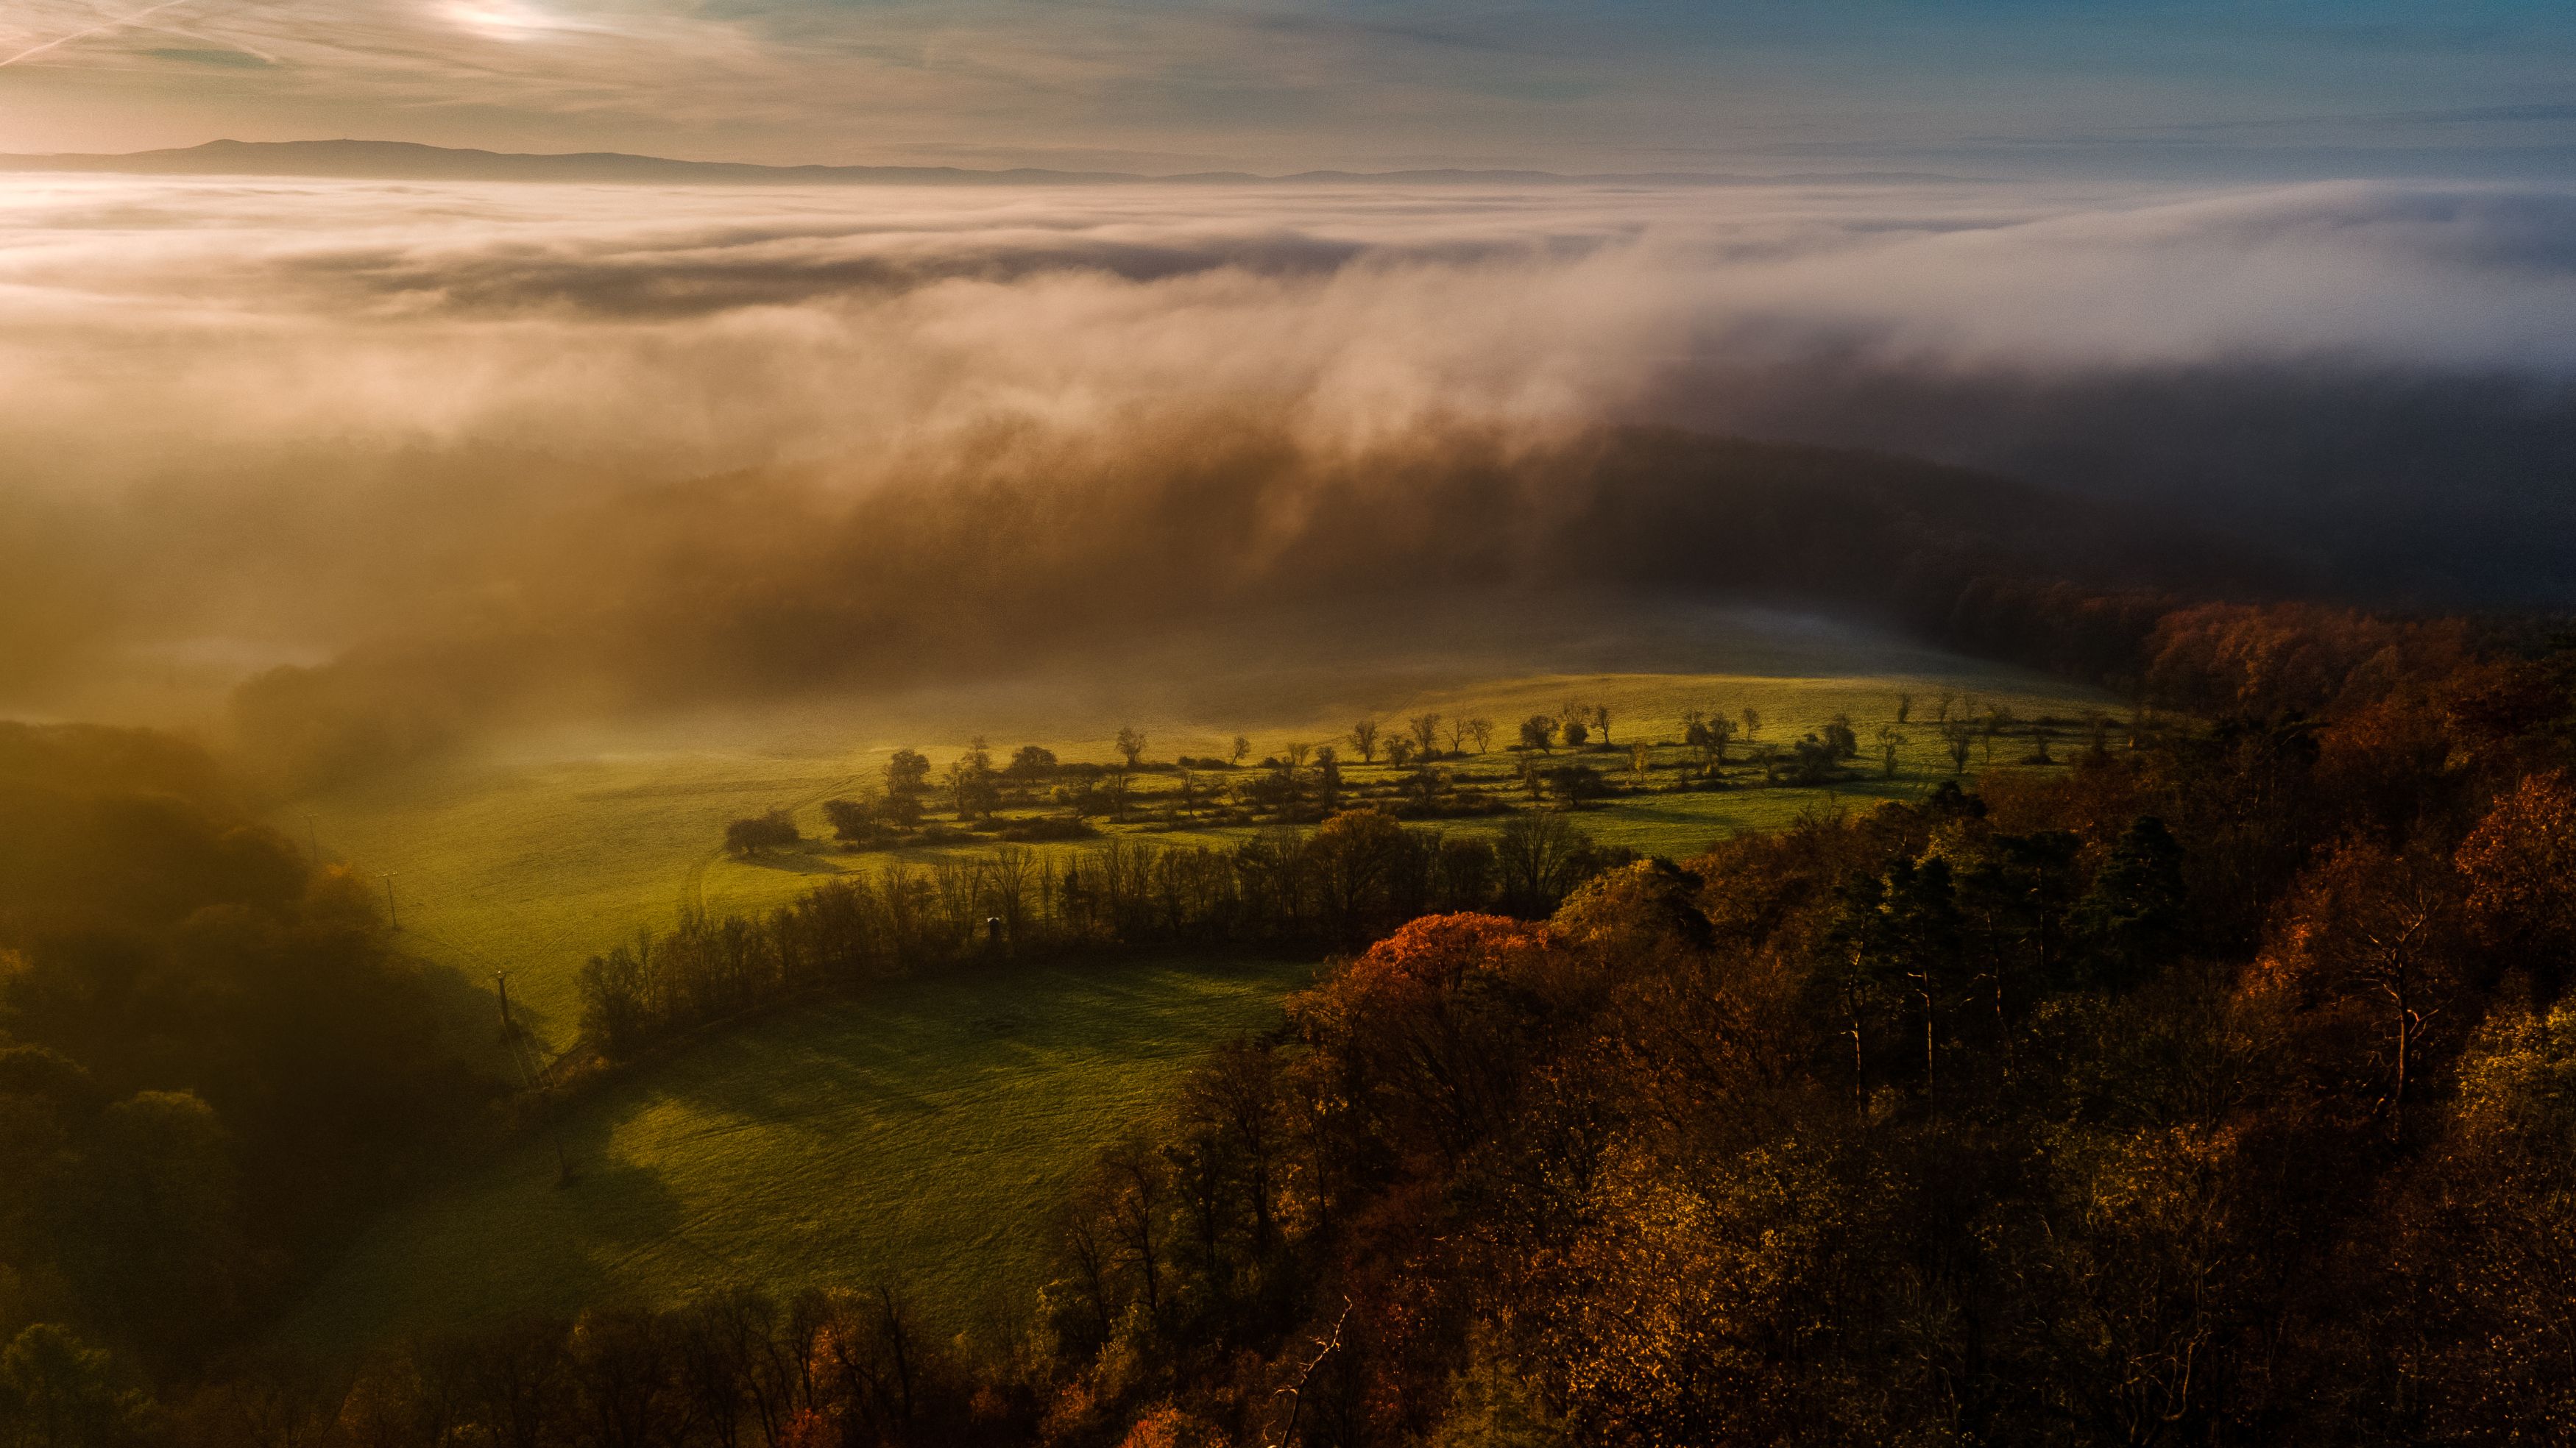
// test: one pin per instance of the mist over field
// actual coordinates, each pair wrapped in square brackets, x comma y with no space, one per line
[614,445]
[1339,723]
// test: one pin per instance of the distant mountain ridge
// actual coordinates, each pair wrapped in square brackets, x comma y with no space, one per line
[411,161]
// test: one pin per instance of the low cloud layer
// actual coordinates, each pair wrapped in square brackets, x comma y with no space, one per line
[270,420]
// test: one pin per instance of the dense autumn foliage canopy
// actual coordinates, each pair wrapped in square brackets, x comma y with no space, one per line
[2218,1088]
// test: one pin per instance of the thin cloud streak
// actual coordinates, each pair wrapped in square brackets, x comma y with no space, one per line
[103,28]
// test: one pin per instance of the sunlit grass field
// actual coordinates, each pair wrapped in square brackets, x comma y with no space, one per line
[925,1132]
[533,861]
[920,1137]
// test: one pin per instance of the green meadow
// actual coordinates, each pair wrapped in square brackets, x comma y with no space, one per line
[924,1133]
[920,1137]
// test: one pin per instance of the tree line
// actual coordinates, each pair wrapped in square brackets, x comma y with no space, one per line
[1335,886]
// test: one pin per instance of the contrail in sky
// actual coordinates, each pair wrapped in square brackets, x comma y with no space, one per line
[104,25]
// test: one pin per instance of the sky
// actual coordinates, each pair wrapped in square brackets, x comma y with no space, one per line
[2302,273]
[2203,88]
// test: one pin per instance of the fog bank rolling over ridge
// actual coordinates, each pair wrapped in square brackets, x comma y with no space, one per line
[272,419]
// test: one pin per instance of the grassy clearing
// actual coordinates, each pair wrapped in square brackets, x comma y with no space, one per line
[920,1136]
[925,1132]
[534,860]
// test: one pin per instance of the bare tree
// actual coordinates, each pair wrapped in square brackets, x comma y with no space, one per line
[1241,751]
[1297,755]
[1601,721]
[1295,1392]
[1131,745]
[1426,732]
[1752,718]
[1364,739]
[1135,1213]
[1482,730]
[1961,740]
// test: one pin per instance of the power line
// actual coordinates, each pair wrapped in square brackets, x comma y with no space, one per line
[512,1038]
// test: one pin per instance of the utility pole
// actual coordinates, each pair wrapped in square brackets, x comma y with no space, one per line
[392,915]
[527,1069]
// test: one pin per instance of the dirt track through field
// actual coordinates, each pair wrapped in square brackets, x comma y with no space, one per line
[693,887]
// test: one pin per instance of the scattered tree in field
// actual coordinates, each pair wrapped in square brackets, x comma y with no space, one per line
[1941,708]
[1768,756]
[1459,729]
[907,772]
[1575,785]
[1817,761]
[1706,737]
[1641,763]
[971,786]
[1426,734]
[1577,733]
[1889,742]
[1364,739]
[901,810]
[1240,751]
[1482,731]
[1904,707]
[2038,748]
[1425,786]
[1328,778]
[1840,738]
[1601,721]
[1959,737]
[1399,750]
[758,834]
[1752,718]
[852,820]
[1130,745]
[1031,762]
[1538,732]
[1297,754]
